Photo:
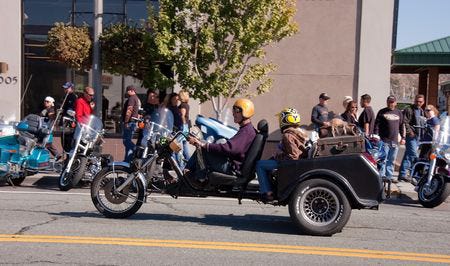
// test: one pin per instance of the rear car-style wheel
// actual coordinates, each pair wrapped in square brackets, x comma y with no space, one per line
[319,207]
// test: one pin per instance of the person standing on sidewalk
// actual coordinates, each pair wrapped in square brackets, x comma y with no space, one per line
[389,125]
[50,115]
[130,110]
[69,104]
[84,106]
[319,115]
[433,125]
[366,119]
[414,120]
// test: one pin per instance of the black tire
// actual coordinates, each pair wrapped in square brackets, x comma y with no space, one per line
[104,204]
[68,180]
[319,207]
[435,195]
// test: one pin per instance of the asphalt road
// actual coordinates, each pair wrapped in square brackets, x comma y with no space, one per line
[41,225]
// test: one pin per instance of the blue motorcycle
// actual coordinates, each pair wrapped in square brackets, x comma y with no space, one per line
[24,153]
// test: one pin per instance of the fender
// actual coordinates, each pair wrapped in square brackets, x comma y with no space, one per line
[332,176]
[127,165]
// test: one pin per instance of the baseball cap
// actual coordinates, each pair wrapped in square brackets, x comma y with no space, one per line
[131,88]
[391,98]
[68,85]
[324,96]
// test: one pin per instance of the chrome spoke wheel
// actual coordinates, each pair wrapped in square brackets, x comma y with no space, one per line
[113,200]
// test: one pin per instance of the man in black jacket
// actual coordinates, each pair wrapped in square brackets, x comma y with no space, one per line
[413,118]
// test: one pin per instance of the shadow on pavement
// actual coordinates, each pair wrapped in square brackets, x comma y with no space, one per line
[47,182]
[403,200]
[247,222]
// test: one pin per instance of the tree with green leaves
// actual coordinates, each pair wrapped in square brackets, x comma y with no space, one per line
[217,47]
[70,45]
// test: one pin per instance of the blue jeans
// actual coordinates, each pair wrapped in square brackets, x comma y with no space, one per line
[127,141]
[411,147]
[262,169]
[387,164]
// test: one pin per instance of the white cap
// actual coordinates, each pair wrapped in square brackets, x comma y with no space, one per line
[50,99]
[346,100]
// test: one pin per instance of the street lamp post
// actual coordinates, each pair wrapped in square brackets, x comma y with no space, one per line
[96,66]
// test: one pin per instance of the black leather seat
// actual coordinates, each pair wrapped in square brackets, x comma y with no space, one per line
[36,128]
[253,154]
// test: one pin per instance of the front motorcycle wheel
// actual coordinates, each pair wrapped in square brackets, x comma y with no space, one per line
[433,195]
[70,179]
[112,203]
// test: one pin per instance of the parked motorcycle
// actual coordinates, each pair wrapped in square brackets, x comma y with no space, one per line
[432,175]
[85,159]
[24,153]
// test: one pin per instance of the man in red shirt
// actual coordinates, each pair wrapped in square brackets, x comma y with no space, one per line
[84,106]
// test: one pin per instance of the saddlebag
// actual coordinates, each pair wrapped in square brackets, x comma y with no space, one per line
[339,145]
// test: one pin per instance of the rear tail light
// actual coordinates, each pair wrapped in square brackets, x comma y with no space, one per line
[370,158]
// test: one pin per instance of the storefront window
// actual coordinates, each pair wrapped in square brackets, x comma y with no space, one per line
[46,76]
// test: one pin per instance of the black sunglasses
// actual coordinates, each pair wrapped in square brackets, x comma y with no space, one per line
[237,109]
[427,110]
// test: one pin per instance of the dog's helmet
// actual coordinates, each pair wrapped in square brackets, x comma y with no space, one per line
[289,117]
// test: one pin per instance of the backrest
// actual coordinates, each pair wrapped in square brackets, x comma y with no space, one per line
[34,124]
[255,151]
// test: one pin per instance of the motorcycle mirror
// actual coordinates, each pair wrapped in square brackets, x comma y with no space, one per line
[196,132]
[71,112]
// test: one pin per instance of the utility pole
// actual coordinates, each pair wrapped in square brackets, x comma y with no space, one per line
[96,66]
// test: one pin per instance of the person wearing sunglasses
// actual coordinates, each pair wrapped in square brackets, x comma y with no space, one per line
[227,157]
[50,115]
[414,119]
[84,106]
[350,114]
[433,124]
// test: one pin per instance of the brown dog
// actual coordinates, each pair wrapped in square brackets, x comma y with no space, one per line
[340,128]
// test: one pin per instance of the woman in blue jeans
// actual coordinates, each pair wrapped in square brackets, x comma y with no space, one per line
[291,147]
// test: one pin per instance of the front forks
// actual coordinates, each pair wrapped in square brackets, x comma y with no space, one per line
[430,172]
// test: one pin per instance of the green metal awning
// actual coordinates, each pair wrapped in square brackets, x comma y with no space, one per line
[412,59]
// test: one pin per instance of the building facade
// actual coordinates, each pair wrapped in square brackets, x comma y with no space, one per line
[343,48]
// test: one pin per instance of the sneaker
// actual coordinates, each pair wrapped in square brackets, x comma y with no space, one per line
[394,180]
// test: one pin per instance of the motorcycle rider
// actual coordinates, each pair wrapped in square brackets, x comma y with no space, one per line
[216,155]
[292,147]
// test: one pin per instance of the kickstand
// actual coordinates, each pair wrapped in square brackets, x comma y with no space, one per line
[10,182]
[387,186]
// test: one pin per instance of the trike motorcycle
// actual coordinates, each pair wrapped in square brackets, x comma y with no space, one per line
[24,153]
[320,192]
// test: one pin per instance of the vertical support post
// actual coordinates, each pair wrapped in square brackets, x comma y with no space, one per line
[433,85]
[423,84]
[96,66]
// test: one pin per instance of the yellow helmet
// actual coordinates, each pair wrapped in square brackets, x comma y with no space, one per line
[246,106]
[289,117]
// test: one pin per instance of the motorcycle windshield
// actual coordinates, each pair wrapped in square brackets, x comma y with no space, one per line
[153,132]
[92,128]
[443,138]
